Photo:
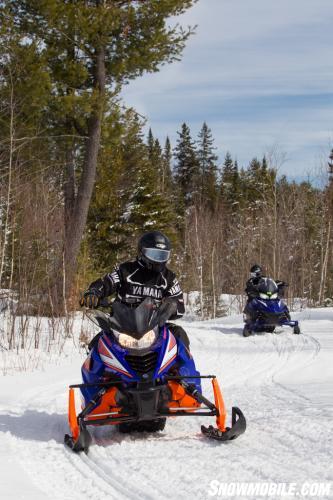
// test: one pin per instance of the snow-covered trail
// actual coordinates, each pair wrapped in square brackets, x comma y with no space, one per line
[283,384]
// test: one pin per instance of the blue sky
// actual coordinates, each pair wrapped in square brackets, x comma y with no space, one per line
[260,73]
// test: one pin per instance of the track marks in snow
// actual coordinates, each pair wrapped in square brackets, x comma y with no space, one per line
[288,436]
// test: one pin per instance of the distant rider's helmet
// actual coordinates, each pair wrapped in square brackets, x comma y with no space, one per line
[154,250]
[256,271]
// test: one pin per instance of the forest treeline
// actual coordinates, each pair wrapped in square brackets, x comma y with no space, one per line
[81,179]
[221,217]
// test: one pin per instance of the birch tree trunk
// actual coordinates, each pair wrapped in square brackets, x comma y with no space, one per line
[9,187]
[213,282]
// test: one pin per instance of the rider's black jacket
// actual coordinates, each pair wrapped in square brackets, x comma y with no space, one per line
[133,282]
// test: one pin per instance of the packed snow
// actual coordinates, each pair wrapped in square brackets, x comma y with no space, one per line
[282,382]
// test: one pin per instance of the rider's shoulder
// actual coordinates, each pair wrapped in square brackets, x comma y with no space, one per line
[169,274]
[129,266]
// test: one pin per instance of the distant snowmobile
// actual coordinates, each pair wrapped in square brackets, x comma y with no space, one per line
[267,310]
[137,375]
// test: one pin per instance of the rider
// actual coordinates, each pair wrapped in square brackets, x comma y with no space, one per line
[146,276]
[252,287]
[256,274]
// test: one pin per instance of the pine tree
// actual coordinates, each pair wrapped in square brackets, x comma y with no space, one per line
[92,49]
[230,184]
[149,207]
[186,169]
[161,162]
[127,200]
[150,144]
[167,180]
[253,176]
[207,165]
[330,166]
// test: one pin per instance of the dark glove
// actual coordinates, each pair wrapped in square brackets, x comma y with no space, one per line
[167,309]
[90,299]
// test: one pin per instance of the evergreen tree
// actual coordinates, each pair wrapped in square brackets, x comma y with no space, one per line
[186,169]
[207,165]
[254,181]
[126,201]
[149,208]
[260,180]
[92,49]
[108,231]
[167,180]
[157,160]
[230,183]
[330,166]
[150,144]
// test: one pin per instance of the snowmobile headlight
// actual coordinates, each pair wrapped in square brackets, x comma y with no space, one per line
[131,343]
[264,296]
[274,296]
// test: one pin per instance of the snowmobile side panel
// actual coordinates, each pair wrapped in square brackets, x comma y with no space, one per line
[106,404]
[180,399]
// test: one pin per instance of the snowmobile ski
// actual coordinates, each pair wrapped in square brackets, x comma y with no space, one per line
[237,428]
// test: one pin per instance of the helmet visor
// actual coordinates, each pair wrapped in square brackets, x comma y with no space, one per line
[156,254]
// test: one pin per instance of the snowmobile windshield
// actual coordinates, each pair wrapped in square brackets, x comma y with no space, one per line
[268,289]
[135,321]
[156,254]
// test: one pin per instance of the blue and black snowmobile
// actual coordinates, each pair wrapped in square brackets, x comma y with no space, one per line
[137,375]
[266,311]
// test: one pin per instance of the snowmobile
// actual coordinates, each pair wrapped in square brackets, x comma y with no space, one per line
[139,374]
[266,311]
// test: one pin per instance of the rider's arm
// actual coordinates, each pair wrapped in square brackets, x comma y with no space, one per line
[251,288]
[106,285]
[175,293]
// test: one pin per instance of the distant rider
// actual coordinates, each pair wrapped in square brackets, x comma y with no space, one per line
[256,274]
[252,286]
[146,276]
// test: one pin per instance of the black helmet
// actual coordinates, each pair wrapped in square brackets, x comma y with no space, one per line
[256,271]
[154,250]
